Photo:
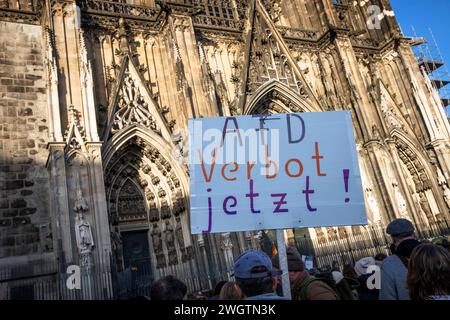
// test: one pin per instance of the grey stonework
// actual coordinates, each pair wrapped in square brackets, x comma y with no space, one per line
[24,185]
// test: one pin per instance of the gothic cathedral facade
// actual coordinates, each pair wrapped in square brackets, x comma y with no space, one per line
[95,98]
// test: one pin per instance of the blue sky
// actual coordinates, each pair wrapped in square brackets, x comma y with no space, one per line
[423,15]
[434,14]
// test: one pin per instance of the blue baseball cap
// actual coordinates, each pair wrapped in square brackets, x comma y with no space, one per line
[253,264]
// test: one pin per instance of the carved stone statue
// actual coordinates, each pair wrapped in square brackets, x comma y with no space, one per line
[180,238]
[170,242]
[83,234]
[373,206]
[441,177]
[401,202]
[425,206]
[157,246]
[117,248]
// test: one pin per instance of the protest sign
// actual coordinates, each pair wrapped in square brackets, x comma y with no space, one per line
[274,172]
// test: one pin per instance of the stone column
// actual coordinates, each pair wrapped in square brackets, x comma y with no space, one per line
[56,165]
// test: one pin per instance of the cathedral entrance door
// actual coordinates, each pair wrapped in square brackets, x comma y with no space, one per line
[137,263]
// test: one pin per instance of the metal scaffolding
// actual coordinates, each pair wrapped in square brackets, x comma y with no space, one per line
[430,58]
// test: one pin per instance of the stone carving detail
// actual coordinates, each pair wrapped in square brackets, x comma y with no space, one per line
[169,236]
[331,233]
[373,206]
[446,195]
[75,134]
[83,232]
[321,239]
[415,167]
[392,119]
[132,108]
[401,202]
[426,208]
[156,235]
[117,248]
[130,203]
[267,62]
[180,239]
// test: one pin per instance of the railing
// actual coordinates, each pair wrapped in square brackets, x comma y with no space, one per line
[118,9]
[371,240]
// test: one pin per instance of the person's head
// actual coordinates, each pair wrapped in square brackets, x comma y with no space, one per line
[219,287]
[379,258]
[428,272]
[362,264]
[295,263]
[349,271]
[442,241]
[400,230]
[254,273]
[168,288]
[231,291]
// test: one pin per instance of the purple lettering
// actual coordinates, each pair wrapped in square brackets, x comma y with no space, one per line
[233,205]
[307,192]
[280,202]
[252,195]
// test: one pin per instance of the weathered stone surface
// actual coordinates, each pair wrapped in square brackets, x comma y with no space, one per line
[26,192]
[18,203]
[5,222]
[27,211]
[23,116]
[9,213]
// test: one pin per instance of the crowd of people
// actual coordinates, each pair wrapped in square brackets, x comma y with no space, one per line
[414,270]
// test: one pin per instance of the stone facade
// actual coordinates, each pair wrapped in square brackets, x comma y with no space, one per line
[24,205]
[107,88]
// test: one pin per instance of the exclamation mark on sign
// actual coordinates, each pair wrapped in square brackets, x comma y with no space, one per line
[346,173]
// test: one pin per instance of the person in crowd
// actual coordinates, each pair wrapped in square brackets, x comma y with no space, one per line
[345,287]
[217,290]
[361,268]
[231,291]
[379,258]
[335,266]
[168,288]
[429,273]
[443,242]
[303,285]
[254,274]
[395,267]
[349,272]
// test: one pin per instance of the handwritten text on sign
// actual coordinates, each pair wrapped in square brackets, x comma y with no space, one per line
[274,172]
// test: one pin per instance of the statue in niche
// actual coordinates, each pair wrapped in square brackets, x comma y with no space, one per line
[401,202]
[157,246]
[424,204]
[376,133]
[441,177]
[170,242]
[373,205]
[117,248]
[180,238]
[165,209]
[154,213]
[83,233]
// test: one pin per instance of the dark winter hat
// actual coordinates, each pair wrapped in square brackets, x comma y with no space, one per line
[295,262]
[400,228]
